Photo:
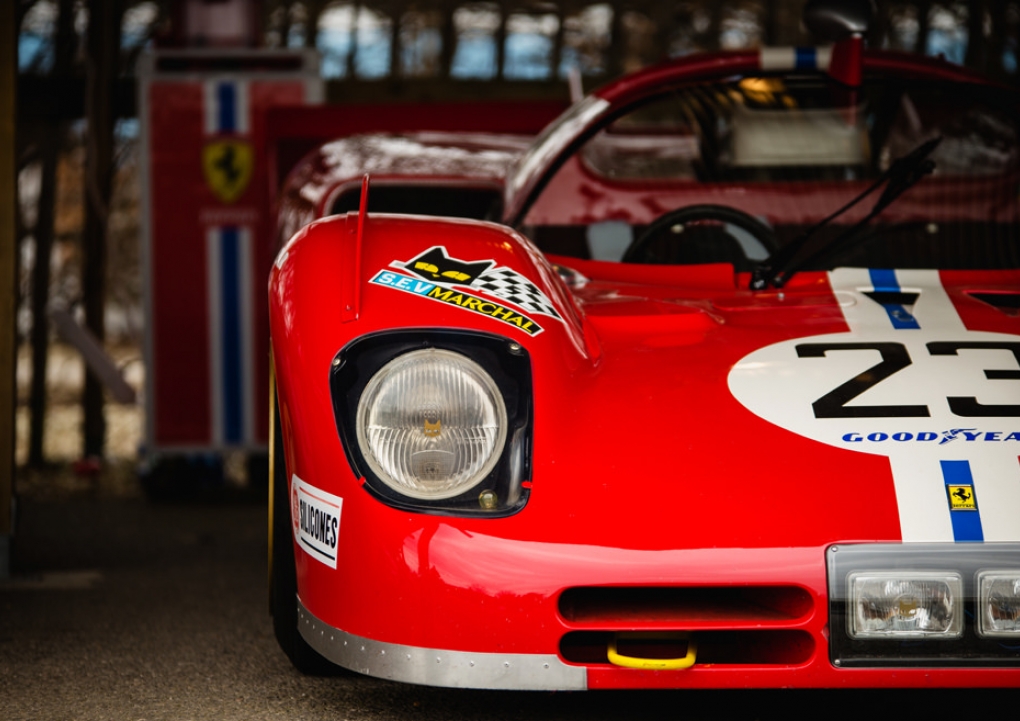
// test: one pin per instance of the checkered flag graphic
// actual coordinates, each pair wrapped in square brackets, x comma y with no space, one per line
[513,287]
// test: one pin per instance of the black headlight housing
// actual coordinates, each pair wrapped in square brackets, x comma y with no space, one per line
[503,486]
[883,580]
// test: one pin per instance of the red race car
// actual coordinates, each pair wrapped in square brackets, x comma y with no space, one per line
[714,384]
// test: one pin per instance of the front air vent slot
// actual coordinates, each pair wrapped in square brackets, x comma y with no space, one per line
[1006,301]
[683,607]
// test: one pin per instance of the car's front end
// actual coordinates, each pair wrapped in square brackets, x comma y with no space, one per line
[608,485]
[732,400]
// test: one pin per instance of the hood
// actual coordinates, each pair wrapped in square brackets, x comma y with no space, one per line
[854,405]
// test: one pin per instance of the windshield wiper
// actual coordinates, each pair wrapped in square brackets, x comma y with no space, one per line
[901,175]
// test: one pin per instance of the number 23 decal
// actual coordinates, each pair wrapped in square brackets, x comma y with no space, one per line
[895,358]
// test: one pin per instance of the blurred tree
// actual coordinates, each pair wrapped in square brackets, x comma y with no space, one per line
[50,147]
[643,31]
[101,73]
[52,56]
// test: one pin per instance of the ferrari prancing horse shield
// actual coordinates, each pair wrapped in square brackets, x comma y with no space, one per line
[227,165]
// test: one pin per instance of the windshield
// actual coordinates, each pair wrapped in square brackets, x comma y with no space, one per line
[788,153]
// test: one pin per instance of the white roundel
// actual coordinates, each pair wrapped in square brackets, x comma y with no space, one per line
[874,393]
[909,382]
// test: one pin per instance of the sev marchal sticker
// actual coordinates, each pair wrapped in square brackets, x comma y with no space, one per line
[435,275]
[316,518]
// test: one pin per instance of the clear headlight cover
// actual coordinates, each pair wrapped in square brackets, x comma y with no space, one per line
[999,604]
[905,605]
[431,424]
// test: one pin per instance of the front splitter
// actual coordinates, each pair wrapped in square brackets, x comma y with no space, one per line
[439,667]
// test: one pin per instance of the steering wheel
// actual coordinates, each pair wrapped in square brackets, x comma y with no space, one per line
[698,234]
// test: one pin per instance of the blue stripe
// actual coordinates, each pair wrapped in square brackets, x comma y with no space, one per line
[805,59]
[966,523]
[230,303]
[226,96]
[884,281]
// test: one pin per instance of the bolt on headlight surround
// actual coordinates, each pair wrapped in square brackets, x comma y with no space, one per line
[998,605]
[437,421]
[905,605]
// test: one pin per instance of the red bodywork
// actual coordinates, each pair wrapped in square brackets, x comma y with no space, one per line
[658,500]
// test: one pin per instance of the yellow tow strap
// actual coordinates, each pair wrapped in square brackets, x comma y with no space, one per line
[659,664]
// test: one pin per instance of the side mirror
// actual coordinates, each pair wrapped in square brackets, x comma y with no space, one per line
[835,20]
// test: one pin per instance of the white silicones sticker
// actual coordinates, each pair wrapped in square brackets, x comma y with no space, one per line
[315,515]
[911,383]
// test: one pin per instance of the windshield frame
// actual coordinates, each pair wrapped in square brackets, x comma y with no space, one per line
[567,199]
[528,177]
[552,141]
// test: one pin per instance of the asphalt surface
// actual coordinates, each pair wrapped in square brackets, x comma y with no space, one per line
[124,609]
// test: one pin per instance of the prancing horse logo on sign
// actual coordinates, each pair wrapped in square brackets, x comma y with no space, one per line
[227,165]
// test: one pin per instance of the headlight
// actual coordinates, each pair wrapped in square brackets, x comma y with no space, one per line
[999,604]
[431,424]
[905,605]
[437,420]
[924,604]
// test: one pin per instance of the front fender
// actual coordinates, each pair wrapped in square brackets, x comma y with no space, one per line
[332,286]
